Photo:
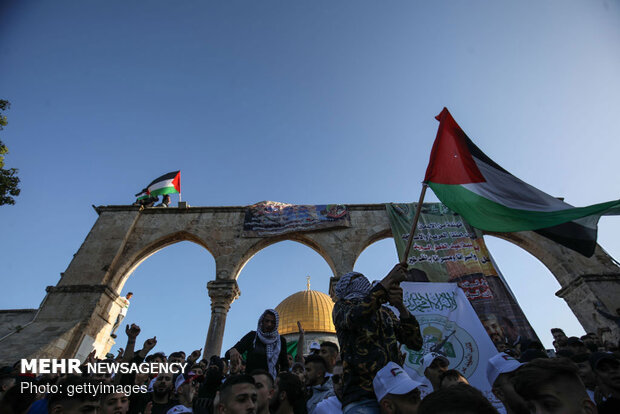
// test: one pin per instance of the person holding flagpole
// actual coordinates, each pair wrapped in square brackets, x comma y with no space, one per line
[370,334]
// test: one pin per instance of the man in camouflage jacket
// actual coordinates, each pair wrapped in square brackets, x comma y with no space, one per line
[369,333]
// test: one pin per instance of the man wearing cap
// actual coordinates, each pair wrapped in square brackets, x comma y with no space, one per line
[606,367]
[396,391]
[370,334]
[315,347]
[433,365]
[500,370]
[184,389]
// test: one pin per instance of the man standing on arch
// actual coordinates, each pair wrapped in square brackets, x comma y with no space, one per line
[121,315]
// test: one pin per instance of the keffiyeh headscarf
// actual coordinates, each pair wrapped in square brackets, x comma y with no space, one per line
[352,289]
[271,341]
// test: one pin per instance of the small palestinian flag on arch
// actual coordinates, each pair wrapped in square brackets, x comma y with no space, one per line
[142,195]
[490,198]
[166,184]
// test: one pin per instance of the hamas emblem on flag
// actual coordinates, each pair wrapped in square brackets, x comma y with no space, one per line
[447,338]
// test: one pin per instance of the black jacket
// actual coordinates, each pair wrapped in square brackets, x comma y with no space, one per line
[256,357]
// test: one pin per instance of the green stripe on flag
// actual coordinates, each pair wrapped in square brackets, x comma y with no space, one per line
[488,215]
[164,191]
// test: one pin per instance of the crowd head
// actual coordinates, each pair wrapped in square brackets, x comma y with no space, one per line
[582,374]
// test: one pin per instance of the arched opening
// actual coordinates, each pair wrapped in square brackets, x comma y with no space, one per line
[170,299]
[377,259]
[534,287]
[269,277]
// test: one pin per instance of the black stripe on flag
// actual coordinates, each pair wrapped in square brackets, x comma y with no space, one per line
[573,236]
[477,153]
[164,177]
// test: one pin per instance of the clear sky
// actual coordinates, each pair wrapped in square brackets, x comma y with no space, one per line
[298,102]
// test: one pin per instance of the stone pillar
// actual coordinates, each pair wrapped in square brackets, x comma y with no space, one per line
[222,294]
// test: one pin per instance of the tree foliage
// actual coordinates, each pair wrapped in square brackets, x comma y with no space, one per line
[9,182]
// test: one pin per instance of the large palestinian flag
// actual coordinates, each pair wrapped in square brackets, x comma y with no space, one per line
[166,184]
[492,199]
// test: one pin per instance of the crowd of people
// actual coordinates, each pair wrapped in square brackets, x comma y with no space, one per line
[363,374]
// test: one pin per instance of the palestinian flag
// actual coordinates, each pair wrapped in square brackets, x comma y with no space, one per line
[492,199]
[142,194]
[166,184]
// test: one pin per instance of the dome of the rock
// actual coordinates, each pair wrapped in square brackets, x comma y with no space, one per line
[312,308]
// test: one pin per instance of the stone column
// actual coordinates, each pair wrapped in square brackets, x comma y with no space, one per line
[222,294]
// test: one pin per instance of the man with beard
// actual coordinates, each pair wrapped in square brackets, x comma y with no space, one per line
[500,370]
[238,395]
[288,395]
[370,334]
[162,394]
[161,397]
[493,327]
[559,338]
[264,389]
[332,405]
[265,348]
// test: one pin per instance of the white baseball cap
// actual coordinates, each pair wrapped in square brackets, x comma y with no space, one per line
[182,379]
[501,363]
[314,346]
[428,359]
[392,379]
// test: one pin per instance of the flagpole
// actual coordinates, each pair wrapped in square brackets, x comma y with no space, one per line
[414,225]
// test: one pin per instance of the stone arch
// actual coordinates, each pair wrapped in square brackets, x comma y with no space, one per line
[134,257]
[372,239]
[264,243]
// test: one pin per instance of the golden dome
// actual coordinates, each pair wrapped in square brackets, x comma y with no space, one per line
[313,309]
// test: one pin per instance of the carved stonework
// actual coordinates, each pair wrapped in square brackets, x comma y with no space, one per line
[223,293]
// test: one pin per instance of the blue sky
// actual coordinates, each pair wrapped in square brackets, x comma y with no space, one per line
[298,102]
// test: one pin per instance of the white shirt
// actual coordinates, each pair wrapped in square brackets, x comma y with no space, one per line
[331,405]
[125,307]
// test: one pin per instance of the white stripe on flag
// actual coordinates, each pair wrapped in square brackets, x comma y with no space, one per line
[161,184]
[509,191]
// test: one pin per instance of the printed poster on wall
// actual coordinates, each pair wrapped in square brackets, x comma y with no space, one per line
[449,326]
[270,218]
[447,249]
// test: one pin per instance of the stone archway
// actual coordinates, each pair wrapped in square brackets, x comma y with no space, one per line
[78,313]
